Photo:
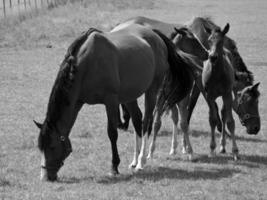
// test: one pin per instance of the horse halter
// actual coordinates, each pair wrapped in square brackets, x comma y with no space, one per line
[67,149]
[245,116]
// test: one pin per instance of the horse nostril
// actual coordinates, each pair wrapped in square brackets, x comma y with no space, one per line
[256,129]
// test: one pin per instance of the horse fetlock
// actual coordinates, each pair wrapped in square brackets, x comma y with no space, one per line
[184,150]
[222,150]
[236,156]
[173,151]
[114,171]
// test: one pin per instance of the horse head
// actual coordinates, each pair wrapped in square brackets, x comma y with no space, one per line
[247,107]
[216,41]
[186,41]
[55,148]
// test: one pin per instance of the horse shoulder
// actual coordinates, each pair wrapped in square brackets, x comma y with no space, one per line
[100,60]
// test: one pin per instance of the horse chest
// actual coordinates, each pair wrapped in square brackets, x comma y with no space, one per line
[216,80]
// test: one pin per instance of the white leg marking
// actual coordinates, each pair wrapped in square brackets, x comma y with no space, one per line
[174,143]
[136,151]
[142,155]
[151,149]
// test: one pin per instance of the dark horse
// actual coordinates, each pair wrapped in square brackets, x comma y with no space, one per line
[110,68]
[245,92]
[218,81]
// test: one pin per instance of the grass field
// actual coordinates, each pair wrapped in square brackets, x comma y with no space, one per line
[28,69]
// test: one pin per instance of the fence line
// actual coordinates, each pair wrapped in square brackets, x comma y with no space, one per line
[16,7]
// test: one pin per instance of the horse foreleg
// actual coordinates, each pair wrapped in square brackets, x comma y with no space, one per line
[112,115]
[223,132]
[231,124]
[175,119]
[136,115]
[213,122]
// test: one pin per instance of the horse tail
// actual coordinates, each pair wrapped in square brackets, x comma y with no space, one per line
[177,81]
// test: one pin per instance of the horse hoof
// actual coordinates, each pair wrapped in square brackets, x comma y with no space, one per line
[212,154]
[172,152]
[184,151]
[138,169]
[236,157]
[113,174]
[149,156]
[222,151]
[132,166]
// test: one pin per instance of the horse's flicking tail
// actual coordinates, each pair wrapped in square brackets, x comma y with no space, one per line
[177,81]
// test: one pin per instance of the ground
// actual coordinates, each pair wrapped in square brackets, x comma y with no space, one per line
[31,50]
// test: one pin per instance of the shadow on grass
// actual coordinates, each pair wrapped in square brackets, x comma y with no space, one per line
[74,180]
[155,174]
[161,173]
[197,133]
[251,161]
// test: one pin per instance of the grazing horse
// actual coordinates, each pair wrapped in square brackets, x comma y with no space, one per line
[218,81]
[109,68]
[245,92]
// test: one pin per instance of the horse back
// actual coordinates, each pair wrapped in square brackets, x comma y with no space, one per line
[165,28]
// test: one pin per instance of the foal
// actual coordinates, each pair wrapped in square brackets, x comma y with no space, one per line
[218,81]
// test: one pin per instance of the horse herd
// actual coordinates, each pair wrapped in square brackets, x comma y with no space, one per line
[171,64]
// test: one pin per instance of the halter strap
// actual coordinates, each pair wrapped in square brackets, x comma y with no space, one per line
[65,142]
[245,116]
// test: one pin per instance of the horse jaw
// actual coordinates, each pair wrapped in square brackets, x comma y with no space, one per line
[43,175]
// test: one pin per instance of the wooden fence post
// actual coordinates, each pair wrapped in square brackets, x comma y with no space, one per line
[4,7]
[25,4]
[35,4]
[10,4]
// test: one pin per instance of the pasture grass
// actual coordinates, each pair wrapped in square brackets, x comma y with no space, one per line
[28,70]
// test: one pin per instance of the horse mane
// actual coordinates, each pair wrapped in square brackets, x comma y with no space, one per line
[59,97]
[231,46]
[174,33]
[177,81]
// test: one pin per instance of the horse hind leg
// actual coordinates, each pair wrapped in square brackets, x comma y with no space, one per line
[223,131]
[157,126]
[187,148]
[175,119]
[213,122]
[136,115]
[112,115]
[150,102]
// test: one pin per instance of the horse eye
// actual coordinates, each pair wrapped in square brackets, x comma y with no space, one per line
[246,116]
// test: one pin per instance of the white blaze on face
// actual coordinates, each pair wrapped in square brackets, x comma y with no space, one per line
[43,175]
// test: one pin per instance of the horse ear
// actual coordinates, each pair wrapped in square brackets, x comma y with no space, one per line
[207,30]
[226,29]
[254,90]
[182,32]
[39,125]
[255,86]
